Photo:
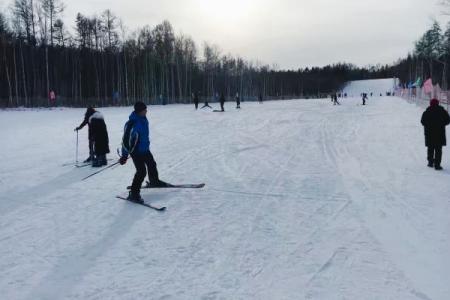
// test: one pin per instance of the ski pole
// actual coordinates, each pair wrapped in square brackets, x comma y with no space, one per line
[104,169]
[76,151]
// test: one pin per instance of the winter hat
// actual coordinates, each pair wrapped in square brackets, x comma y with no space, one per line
[139,106]
[90,111]
[434,102]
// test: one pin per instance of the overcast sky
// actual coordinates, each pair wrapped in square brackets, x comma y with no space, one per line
[290,33]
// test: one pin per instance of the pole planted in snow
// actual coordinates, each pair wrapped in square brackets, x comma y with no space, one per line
[76,151]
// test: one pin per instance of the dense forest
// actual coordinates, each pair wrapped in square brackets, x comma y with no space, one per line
[101,64]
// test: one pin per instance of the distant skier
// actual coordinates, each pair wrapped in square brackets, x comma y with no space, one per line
[89,112]
[260,98]
[364,98]
[52,98]
[335,99]
[136,143]
[222,102]
[195,100]
[100,140]
[434,120]
[238,101]
[206,103]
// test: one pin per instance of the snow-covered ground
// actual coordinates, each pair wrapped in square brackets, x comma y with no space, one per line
[375,86]
[303,200]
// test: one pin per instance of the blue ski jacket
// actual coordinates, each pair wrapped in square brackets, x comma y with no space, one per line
[139,135]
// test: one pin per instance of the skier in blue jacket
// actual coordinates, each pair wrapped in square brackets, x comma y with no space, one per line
[136,143]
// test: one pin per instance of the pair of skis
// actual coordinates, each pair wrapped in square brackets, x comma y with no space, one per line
[168,186]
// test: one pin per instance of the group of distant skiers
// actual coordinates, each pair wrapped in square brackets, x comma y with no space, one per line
[335,96]
[136,141]
[221,99]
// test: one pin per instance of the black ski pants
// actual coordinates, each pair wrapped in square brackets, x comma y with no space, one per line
[144,163]
[435,155]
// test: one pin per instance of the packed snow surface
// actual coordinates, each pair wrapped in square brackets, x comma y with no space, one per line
[375,86]
[303,200]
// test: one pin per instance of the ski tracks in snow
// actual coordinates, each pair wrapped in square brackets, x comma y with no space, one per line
[302,201]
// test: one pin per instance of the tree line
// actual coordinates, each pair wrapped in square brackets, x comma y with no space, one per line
[103,64]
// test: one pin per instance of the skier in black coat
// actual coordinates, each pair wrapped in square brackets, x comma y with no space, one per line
[238,101]
[89,112]
[100,140]
[434,120]
[195,99]
[335,99]
[364,98]
[222,102]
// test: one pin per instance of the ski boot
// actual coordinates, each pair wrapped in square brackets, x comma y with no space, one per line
[96,162]
[157,184]
[135,197]
[102,160]
[88,160]
[430,165]
[438,168]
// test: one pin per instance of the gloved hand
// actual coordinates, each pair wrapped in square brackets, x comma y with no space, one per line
[76,129]
[123,160]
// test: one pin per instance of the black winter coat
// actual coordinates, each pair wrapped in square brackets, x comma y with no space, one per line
[434,119]
[99,134]
[89,112]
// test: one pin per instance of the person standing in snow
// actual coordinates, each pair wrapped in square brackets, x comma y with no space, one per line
[364,98]
[89,112]
[335,99]
[260,98]
[52,98]
[434,120]
[238,101]
[100,140]
[222,102]
[136,143]
[195,100]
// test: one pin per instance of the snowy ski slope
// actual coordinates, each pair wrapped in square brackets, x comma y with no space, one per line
[375,86]
[304,200]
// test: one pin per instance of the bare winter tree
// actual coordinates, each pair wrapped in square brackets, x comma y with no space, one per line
[23,13]
[109,22]
[60,32]
[51,10]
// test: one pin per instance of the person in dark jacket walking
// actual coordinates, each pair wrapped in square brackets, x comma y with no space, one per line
[89,112]
[222,102]
[195,100]
[100,140]
[434,120]
[136,143]
[238,101]
[364,98]
[335,99]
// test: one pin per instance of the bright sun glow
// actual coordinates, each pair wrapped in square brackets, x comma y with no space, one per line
[226,10]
